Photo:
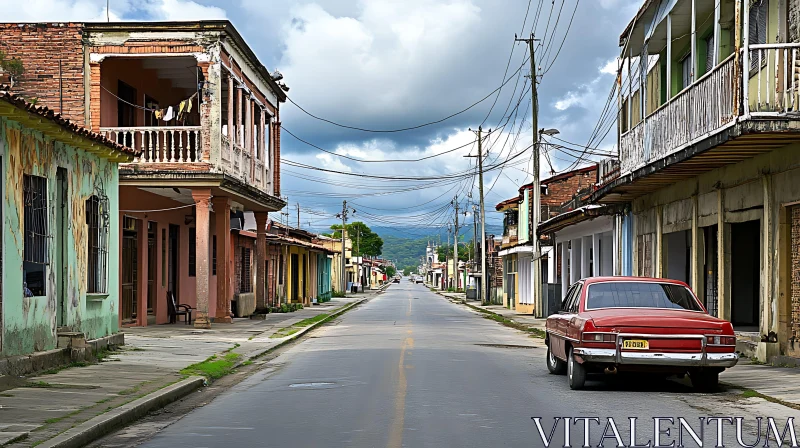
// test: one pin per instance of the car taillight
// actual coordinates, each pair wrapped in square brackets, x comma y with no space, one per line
[600,337]
[720,340]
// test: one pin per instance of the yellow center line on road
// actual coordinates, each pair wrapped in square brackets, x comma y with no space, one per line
[398,422]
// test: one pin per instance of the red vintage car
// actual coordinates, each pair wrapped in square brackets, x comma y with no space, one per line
[636,324]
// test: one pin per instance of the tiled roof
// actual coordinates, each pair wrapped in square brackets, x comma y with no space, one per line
[47,113]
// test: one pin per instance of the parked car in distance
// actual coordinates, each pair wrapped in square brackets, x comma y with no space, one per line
[637,324]
[420,279]
[396,280]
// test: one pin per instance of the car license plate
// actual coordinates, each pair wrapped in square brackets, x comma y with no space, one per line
[635,344]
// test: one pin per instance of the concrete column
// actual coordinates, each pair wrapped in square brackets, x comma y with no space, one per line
[768,306]
[693,41]
[669,56]
[551,265]
[659,250]
[222,217]
[564,263]
[202,199]
[575,260]
[596,258]
[231,124]
[586,243]
[141,274]
[261,257]
[697,254]
[723,299]
[717,17]
[239,111]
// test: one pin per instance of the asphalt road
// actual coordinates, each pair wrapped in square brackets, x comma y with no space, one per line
[411,369]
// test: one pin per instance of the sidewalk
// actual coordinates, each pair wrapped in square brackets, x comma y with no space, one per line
[37,409]
[777,384]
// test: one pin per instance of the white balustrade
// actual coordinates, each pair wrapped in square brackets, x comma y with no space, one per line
[180,144]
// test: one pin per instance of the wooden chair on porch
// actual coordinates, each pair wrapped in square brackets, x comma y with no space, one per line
[175,309]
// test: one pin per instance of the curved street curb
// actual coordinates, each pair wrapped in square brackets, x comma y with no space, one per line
[103,424]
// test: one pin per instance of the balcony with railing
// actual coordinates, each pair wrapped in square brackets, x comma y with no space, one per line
[134,112]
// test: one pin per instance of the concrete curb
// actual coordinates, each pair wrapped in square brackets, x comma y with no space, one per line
[300,333]
[103,424]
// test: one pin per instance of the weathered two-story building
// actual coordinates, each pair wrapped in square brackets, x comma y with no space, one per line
[204,114]
[59,217]
[708,136]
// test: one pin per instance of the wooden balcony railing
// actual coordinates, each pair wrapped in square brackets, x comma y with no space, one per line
[774,79]
[239,163]
[697,111]
[179,144]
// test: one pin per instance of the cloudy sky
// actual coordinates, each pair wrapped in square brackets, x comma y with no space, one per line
[393,64]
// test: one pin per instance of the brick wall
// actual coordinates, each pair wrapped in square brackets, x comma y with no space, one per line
[40,47]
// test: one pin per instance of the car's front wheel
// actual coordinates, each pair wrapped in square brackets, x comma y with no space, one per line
[555,365]
[576,372]
[705,381]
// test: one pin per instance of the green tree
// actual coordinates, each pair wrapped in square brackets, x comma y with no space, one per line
[365,241]
[465,252]
[390,271]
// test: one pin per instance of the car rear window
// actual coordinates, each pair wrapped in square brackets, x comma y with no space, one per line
[640,295]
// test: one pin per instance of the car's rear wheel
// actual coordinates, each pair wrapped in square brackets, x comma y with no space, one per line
[576,372]
[705,381]
[555,365]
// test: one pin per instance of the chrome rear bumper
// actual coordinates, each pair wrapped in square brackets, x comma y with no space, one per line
[609,355]
[618,356]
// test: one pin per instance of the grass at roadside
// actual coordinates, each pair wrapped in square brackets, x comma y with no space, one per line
[214,367]
[292,329]
[532,331]
[750,393]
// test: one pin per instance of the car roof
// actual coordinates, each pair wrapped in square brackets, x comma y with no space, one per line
[605,279]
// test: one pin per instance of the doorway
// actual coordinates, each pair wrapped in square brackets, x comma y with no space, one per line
[745,275]
[678,253]
[128,309]
[152,259]
[710,270]
[61,233]
[295,278]
[172,269]
[126,113]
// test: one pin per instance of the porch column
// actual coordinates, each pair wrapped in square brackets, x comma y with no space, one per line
[564,269]
[202,199]
[231,125]
[669,56]
[141,274]
[596,258]
[586,244]
[658,259]
[222,216]
[248,134]
[717,16]
[745,67]
[697,251]
[693,48]
[238,133]
[261,259]
[575,261]
[768,306]
[723,297]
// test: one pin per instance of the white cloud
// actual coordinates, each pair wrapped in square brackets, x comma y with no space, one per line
[610,67]
[95,10]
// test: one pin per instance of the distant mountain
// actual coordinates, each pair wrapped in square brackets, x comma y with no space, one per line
[432,233]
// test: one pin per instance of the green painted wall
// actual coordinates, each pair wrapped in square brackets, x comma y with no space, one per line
[29,324]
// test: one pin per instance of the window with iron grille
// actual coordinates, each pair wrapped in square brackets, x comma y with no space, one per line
[97,219]
[758,23]
[214,255]
[37,235]
[192,252]
[245,283]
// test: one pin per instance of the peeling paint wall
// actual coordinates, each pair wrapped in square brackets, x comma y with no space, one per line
[29,324]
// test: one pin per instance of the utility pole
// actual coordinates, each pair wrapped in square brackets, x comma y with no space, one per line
[446,263]
[455,244]
[536,209]
[484,285]
[298,215]
[343,215]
